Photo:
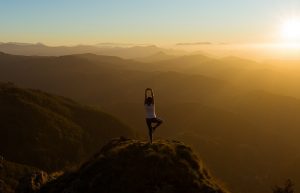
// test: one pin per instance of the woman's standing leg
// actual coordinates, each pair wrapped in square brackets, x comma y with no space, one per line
[150,129]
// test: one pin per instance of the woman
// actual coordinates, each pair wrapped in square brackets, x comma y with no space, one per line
[150,112]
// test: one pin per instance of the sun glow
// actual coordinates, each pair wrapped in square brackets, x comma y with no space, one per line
[290,29]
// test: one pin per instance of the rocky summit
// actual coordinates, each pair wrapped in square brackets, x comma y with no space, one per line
[133,166]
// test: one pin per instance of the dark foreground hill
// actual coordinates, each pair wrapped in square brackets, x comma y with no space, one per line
[51,132]
[132,166]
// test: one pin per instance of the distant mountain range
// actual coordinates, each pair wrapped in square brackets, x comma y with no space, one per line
[124,51]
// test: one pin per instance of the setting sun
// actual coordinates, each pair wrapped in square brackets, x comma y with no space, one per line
[291,29]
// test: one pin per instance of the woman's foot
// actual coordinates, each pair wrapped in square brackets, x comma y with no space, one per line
[153,128]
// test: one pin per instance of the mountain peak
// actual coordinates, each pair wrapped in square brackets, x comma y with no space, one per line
[127,165]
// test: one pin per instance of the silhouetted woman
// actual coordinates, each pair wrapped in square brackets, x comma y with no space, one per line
[150,113]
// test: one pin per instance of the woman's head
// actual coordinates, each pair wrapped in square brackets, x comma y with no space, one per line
[149,100]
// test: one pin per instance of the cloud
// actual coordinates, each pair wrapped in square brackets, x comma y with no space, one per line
[109,44]
[224,43]
[194,43]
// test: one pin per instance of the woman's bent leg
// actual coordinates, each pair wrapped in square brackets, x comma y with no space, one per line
[158,123]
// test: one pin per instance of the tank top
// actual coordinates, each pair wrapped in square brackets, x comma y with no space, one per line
[150,111]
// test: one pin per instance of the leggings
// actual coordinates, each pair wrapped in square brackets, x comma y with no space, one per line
[151,128]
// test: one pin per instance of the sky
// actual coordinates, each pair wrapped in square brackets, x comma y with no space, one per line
[161,22]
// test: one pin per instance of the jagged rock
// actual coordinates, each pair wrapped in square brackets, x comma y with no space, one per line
[132,166]
[5,188]
[1,162]
[2,186]
[33,182]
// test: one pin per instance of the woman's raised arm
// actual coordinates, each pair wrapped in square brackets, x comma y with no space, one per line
[152,95]
[146,90]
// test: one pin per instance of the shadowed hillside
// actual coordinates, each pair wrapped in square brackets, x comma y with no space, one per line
[51,132]
[133,166]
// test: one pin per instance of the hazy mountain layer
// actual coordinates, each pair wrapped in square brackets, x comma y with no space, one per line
[128,51]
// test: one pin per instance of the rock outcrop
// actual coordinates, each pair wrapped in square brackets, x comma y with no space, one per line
[33,182]
[133,166]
